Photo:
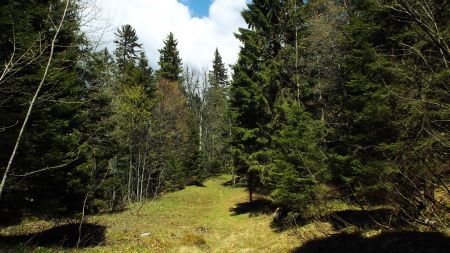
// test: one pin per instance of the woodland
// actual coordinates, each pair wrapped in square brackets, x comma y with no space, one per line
[336,112]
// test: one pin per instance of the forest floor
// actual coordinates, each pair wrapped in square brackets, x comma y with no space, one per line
[212,218]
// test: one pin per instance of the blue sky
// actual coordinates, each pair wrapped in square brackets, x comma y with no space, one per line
[199,8]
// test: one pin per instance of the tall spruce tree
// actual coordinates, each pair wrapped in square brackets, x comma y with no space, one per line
[170,62]
[218,77]
[127,46]
[258,79]
[217,126]
[145,74]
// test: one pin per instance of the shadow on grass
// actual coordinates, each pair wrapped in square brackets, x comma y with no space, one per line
[118,210]
[9,218]
[196,183]
[65,236]
[390,242]
[257,207]
[237,183]
[362,219]
[228,183]
[284,224]
[369,219]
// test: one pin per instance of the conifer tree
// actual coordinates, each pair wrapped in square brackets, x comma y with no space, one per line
[296,172]
[216,128]
[218,77]
[99,145]
[51,147]
[127,46]
[258,78]
[133,101]
[390,128]
[145,74]
[169,60]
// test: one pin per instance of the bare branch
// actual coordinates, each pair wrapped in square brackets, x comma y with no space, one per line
[45,169]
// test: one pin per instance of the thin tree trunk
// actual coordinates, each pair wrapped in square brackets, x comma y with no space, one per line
[233,176]
[113,171]
[143,174]
[138,174]
[80,226]
[230,135]
[130,173]
[296,56]
[33,101]
[83,212]
[89,192]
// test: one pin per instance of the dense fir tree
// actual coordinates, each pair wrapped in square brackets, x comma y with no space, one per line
[296,167]
[366,79]
[145,74]
[170,62]
[52,137]
[99,145]
[250,107]
[258,79]
[388,137]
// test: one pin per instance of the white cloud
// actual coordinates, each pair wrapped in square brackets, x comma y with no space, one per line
[197,37]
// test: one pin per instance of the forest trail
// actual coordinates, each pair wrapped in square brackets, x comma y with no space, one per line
[212,218]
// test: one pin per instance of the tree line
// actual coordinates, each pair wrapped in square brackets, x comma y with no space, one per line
[105,129]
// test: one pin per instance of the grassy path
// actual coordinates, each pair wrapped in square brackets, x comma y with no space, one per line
[197,219]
